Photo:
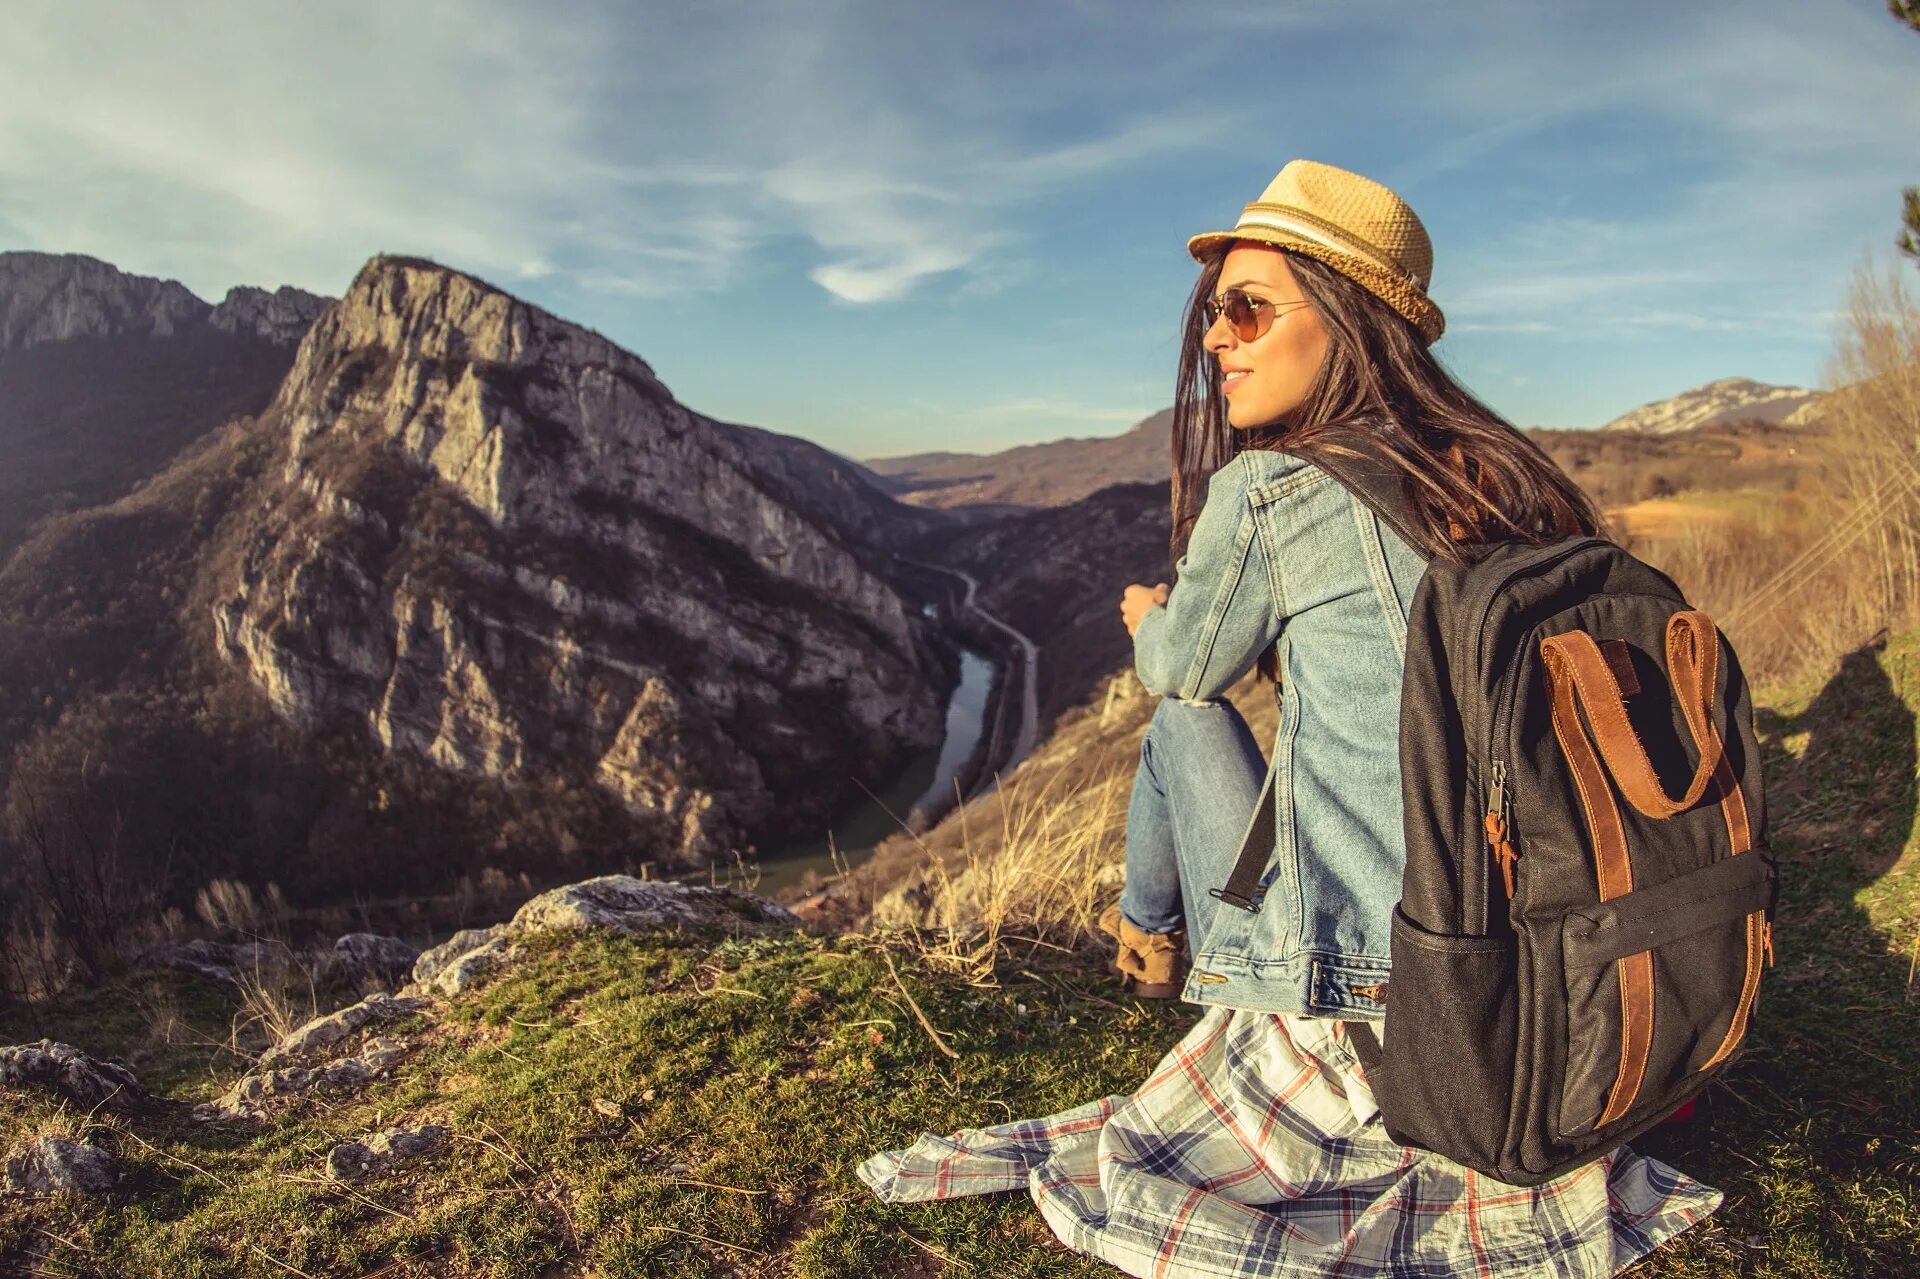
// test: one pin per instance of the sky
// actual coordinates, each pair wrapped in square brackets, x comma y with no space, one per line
[894,228]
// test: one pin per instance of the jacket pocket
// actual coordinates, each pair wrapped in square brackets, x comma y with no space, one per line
[1659,983]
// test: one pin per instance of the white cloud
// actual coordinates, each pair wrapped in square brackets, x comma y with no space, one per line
[1772,125]
[637,150]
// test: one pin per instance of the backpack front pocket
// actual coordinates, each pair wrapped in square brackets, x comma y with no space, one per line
[1660,978]
[1659,984]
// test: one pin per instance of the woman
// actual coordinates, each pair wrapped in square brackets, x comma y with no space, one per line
[1255,1148]
[1307,331]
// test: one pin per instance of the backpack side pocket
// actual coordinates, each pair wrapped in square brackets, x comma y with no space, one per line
[1450,1034]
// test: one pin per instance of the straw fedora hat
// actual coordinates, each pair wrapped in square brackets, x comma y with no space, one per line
[1354,225]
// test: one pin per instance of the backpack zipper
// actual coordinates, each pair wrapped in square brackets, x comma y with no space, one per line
[1498,835]
[1476,921]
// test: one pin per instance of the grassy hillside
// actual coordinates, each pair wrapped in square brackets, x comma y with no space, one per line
[679,1105]
[624,1106]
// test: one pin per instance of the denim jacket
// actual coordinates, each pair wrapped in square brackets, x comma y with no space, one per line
[1283,555]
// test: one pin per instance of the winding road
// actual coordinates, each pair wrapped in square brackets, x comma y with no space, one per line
[1023,739]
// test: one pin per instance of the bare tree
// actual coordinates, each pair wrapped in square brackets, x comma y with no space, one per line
[72,885]
[1874,416]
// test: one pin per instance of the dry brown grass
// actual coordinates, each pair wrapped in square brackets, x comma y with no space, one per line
[1057,861]
[1801,579]
[1035,862]
[275,995]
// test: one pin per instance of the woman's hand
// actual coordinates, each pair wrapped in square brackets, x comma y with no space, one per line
[1137,599]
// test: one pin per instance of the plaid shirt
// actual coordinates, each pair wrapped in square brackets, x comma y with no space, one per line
[1255,1148]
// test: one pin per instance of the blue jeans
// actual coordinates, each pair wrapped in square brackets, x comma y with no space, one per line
[1193,795]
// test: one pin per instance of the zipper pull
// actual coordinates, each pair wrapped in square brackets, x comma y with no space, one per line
[1496,826]
[1766,938]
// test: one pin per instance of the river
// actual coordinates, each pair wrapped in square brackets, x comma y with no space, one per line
[927,776]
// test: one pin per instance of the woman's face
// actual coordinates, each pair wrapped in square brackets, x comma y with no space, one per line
[1269,377]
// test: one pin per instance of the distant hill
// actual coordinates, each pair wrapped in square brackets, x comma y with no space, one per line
[979,486]
[975,485]
[1727,400]
[105,376]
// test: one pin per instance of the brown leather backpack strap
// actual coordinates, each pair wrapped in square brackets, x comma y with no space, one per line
[1733,806]
[1613,867]
[1692,666]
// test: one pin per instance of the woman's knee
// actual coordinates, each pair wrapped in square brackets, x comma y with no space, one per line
[1203,732]
[1176,716]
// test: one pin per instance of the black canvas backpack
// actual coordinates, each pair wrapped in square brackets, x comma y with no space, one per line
[1588,897]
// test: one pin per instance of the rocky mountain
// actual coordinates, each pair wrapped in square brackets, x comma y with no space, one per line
[471,594]
[980,486]
[498,542]
[282,316]
[1729,399]
[106,376]
[57,297]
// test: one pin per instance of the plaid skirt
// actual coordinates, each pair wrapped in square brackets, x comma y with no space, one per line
[1256,1148]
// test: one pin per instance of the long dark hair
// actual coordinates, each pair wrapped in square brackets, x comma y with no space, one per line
[1472,476]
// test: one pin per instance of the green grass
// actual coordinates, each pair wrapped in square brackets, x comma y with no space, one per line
[1816,1132]
[770,1069]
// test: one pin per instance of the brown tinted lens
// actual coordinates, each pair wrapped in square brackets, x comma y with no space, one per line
[1240,313]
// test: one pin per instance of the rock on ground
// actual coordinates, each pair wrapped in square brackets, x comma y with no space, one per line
[64,1069]
[329,1028]
[221,961]
[623,904]
[52,1164]
[616,903]
[364,955]
[459,961]
[248,1097]
[383,1149]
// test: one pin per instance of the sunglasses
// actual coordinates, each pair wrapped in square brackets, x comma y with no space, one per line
[1248,316]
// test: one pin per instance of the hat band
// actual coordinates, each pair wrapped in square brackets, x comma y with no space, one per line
[1280,218]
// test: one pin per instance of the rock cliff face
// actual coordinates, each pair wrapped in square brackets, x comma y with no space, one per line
[55,297]
[282,316]
[499,543]
[1728,399]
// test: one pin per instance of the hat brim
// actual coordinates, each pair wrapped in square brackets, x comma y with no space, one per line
[1411,302]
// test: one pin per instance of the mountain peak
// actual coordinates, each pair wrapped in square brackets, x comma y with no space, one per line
[499,543]
[51,297]
[282,316]
[56,297]
[415,308]
[1726,399]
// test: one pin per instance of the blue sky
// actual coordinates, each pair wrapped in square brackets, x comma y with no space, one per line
[892,228]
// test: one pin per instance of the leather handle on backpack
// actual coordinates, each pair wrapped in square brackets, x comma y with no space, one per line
[1693,662]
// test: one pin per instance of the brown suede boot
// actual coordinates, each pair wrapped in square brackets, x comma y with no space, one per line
[1151,965]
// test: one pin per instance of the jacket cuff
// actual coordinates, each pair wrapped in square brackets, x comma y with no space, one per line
[1146,650]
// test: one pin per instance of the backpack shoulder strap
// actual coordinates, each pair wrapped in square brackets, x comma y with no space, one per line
[1377,483]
